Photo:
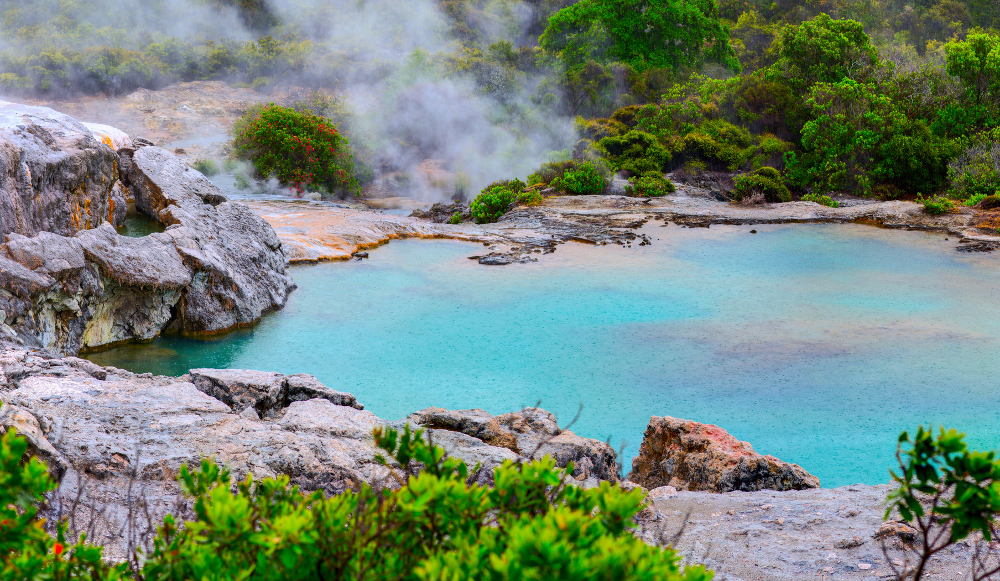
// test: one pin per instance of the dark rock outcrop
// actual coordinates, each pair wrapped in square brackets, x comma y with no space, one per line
[529,433]
[68,280]
[693,456]
[265,392]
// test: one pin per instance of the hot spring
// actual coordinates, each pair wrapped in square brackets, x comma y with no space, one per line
[818,344]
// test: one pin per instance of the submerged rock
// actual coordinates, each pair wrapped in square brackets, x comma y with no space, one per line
[692,456]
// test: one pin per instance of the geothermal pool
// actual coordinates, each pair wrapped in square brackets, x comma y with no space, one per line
[818,344]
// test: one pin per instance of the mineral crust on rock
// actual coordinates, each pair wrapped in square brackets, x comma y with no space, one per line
[692,456]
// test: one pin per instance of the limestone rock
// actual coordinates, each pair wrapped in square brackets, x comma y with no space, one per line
[54,175]
[693,456]
[26,424]
[529,433]
[68,280]
[241,388]
[234,256]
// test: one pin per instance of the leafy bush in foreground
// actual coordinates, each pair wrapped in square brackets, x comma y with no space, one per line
[947,492]
[531,525]
[302,150]
[27,552]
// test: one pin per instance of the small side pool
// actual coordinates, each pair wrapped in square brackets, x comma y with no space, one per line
[819,344]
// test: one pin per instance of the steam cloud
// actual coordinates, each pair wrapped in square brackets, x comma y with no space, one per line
[383,54]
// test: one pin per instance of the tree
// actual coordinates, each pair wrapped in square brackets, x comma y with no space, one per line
[976,62]
[824,50]
[674,34]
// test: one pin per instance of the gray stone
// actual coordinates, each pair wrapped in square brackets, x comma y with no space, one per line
[241,389]
[26,424]
[54,175]
[529,433]
[68,280]
[303,386]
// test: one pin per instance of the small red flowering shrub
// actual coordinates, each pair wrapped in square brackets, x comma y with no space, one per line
[302,150]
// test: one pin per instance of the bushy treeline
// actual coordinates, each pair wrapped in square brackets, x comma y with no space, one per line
[431,525]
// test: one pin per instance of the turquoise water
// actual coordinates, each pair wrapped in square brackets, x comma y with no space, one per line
[816,343]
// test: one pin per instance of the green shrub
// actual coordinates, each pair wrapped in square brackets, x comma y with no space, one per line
[766,181]
[822,200]
[456,218]
[977,170]
[637,152]
[533,524]
[551,170]
[720,143]
[27,551]
[936,205]
[597,129]
[584,180]
[651,185]
[495,199]
[975,199]
[209,167]
[302,150]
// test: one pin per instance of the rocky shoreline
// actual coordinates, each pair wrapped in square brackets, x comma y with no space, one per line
[313,231]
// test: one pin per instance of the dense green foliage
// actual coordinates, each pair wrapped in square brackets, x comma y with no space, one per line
[435,525]
[300,149]
[886,98]
[765,184]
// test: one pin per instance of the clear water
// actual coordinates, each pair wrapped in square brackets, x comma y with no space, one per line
[816,343]
[137,225]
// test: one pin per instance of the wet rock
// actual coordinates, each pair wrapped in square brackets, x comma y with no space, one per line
[693,456]
[530,433]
